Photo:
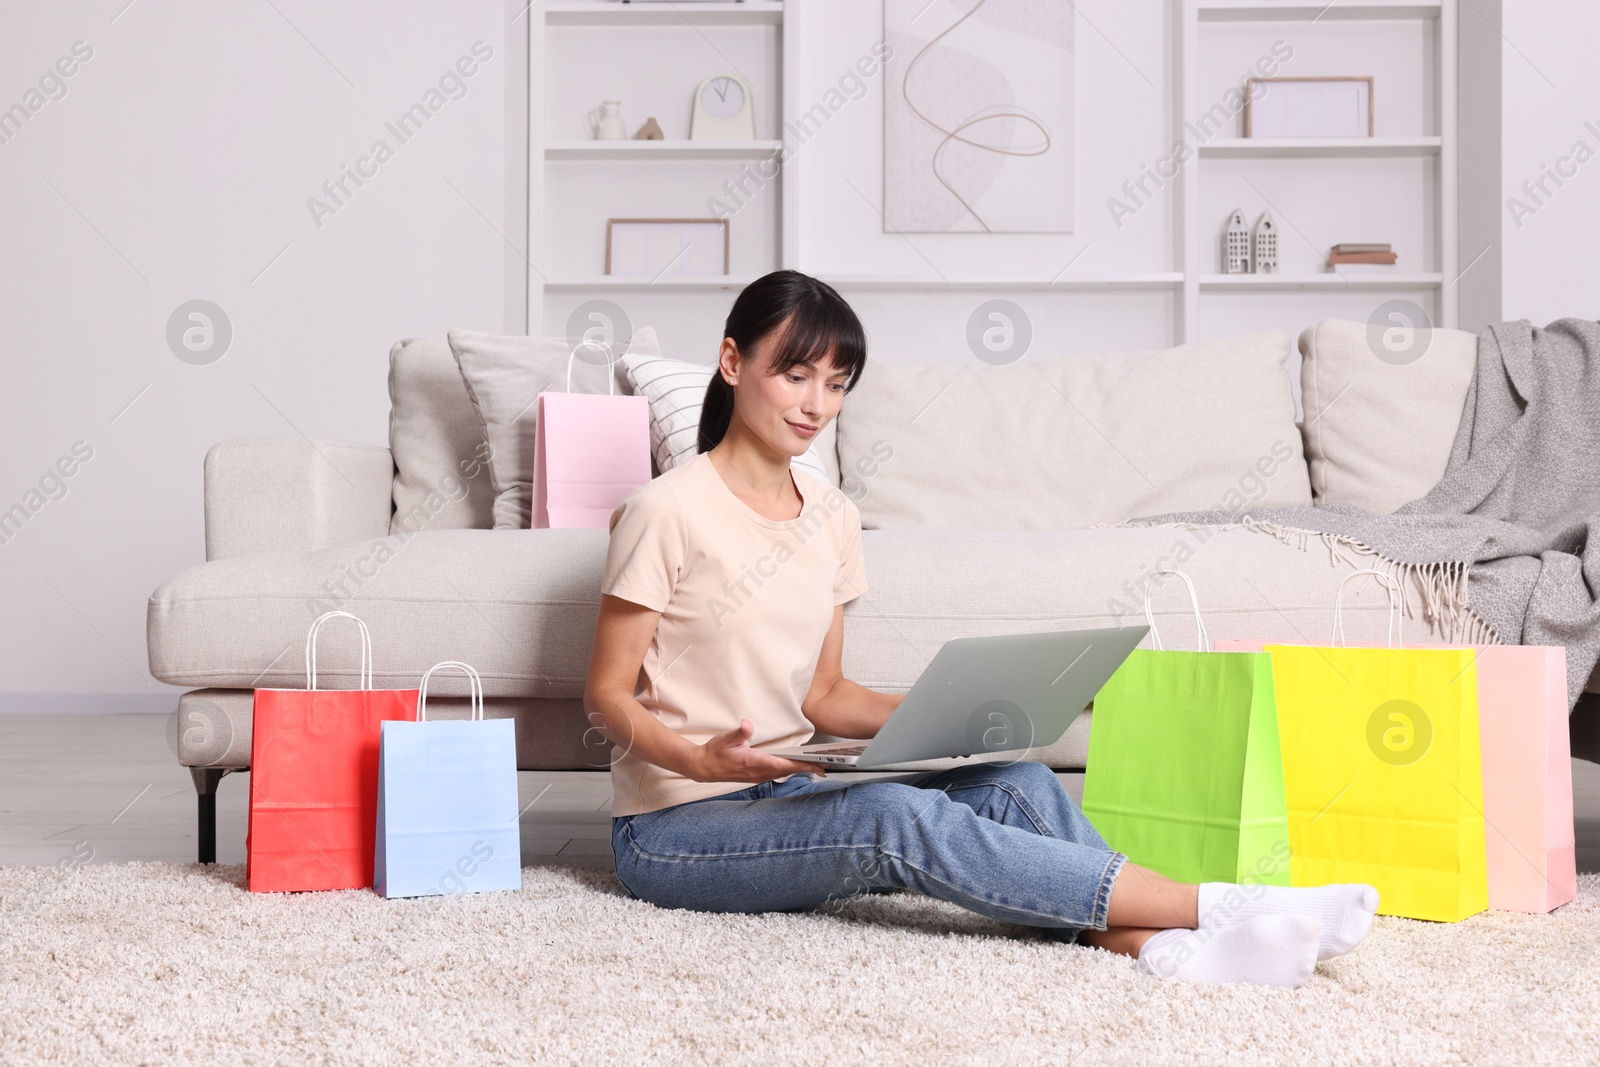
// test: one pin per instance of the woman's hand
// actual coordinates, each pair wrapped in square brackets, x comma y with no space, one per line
[728,757]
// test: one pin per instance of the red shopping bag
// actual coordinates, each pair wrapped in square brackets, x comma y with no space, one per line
[1529,835]
[589,452]
[314,778]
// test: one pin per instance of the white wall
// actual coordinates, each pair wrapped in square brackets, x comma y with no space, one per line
[177,166]
[1550,101]
[1531,114]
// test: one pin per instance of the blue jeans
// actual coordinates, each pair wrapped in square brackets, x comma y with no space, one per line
[1002,839]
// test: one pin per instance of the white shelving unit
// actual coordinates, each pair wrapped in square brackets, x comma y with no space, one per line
[1280,11]
[656,53]
[591,13]
[1065,284]
[662,149]
[608,283]
[1199,248]
[1303,147]
[1265,282]
[584,50]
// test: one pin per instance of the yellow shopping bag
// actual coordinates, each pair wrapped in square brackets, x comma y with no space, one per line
[1383,775]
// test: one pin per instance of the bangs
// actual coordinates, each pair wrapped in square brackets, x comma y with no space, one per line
[818,331]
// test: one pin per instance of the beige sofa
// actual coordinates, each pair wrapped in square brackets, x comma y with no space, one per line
[988,497]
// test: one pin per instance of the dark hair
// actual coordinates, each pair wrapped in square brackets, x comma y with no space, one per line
[819,324]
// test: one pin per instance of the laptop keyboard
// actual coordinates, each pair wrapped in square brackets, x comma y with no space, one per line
[841,750]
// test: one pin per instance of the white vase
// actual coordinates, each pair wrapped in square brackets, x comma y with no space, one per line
[606,122]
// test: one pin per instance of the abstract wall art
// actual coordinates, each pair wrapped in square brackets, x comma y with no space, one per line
[978,116]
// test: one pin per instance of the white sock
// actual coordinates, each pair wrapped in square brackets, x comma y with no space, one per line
[1345,911]
[1278,950]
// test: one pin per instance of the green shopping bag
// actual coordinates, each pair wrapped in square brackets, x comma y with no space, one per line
[1184,771]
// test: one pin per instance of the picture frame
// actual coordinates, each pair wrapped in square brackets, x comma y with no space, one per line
[657,247]
[1309,107]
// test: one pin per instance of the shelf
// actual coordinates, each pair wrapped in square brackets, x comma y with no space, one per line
[1302,147]
[887,282]
[747,13]
[1163,280]
[668,284]
[1270,11]
[1065,283]
[678,149]
[1434,24]
[1261,282]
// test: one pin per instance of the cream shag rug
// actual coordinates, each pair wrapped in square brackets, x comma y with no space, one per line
[151,963]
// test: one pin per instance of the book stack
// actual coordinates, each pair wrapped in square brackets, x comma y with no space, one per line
[1351,258]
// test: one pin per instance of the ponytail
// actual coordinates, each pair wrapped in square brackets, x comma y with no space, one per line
[716,410]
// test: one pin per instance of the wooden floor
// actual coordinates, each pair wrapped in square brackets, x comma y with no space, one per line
[108,789]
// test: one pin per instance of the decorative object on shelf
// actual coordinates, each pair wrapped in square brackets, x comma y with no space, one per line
[649,131]
[1308,107]
[1236,245]
[723,110]
[977,117]
[1361,253]
[606,121]
[655,248]
[1264,257]
[1358,257]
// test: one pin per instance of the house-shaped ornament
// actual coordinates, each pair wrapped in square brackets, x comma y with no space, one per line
[1236,245]
[1266,240]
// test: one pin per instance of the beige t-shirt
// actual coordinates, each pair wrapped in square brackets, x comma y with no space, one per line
[745,603]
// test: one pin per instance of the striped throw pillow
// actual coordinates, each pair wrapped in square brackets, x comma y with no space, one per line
[675,390]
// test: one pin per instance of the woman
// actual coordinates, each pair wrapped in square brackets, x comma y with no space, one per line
[719,637]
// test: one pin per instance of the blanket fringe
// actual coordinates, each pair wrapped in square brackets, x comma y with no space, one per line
[1443,585]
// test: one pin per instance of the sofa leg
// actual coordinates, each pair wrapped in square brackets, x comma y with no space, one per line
[206,780]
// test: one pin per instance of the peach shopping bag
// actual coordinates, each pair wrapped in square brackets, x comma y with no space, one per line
[1527,765]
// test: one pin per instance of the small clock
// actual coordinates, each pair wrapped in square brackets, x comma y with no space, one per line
[722,110]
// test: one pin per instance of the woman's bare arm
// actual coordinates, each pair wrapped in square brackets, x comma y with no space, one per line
[622,635]
[836,705]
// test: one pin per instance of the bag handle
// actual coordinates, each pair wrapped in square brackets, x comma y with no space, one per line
[311,649]
[1204,638]
[472,679]
[1391,630]
[604,346]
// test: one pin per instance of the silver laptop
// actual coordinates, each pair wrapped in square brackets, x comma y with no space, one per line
[989,694]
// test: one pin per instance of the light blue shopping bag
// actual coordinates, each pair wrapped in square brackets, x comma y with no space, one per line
[447,802]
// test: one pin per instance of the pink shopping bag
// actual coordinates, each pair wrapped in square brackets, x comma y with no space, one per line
[589,452]
[1527,762]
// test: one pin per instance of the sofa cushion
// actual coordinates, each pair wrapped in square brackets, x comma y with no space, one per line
[1381,409]
[441,473]
[676,391]
[1069,443]
[504,376]
[519,605]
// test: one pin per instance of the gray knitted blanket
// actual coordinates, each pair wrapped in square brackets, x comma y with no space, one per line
[1502,546]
